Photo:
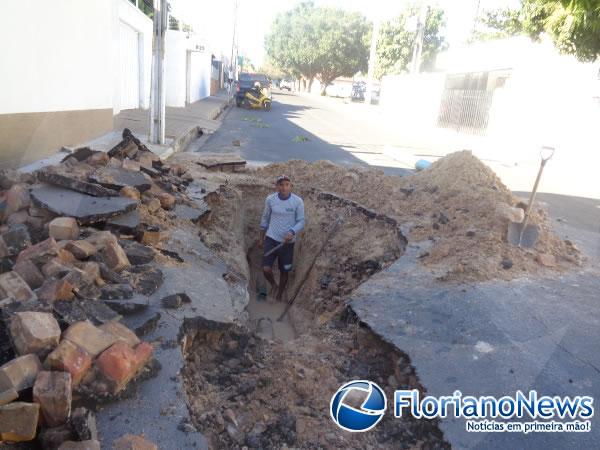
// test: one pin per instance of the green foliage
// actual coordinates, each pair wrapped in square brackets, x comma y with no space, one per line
[573,25]
[318,42]
[395,42]
[173,23]
[497,24]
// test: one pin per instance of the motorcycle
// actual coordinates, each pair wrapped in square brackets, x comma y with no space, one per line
[256,98]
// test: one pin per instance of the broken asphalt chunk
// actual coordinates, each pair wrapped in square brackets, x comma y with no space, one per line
[15,240]
[57,179]
[127,307]
[117,178]
[137,253]
[121,291]
[145,279]
[128,223]
[85,208]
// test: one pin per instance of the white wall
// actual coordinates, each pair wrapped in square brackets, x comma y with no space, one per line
[63,55]
[124,11]
[55,56]
[176,70]
[199,76]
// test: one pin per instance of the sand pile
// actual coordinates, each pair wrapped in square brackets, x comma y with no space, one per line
[455,203]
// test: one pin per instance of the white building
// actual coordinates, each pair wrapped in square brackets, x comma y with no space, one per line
[68,66]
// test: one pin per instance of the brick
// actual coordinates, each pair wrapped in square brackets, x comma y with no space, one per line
[100,239]
[66,256]
[53,290]
[34,332]
[14,240]
[64,228]
[69,357]
[133,442]
[18,421]
[115,257]
[81,249]
[153,205]
[89,337]
[130,164]
[120,363]
[130,192]
[80,445]
[20,373]
[41,252]
[52,390]
[17,198]
[12,285]
[151,237]
[56,268]
[29,272]
[8,395]
[121,332]
[167,201]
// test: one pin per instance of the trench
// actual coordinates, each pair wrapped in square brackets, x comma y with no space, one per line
[267,383]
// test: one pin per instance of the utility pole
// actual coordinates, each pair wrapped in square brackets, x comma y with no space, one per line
[157,92]
[372,61]
[232,64]
[418,46]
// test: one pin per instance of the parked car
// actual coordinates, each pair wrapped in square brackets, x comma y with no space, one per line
[286,85]
[246,82]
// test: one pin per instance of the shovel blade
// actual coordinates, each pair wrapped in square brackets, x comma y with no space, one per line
[522,237]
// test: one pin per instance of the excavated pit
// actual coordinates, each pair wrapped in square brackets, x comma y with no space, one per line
[267,384]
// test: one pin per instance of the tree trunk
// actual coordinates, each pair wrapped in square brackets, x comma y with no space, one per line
[310,83]
[304,84]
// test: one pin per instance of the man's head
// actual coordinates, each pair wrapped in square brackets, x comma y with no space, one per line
[283,185]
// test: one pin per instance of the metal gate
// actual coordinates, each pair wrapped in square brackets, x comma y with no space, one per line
[129,62]
[465,110]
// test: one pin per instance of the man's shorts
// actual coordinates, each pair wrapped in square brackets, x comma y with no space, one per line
[284,255]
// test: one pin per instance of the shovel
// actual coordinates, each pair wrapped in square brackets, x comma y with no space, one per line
[523,234]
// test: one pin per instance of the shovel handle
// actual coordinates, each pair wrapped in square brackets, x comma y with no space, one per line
[546,153]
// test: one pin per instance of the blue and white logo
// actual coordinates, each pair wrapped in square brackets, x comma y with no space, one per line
[370,412]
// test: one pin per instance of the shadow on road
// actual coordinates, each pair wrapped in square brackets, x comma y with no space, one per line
[275,136]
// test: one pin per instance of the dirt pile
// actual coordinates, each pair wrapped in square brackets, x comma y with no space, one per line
[457,203]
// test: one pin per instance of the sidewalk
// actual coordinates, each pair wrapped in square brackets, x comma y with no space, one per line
[182,126]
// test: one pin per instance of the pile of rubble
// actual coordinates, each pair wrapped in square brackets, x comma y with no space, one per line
[76,243]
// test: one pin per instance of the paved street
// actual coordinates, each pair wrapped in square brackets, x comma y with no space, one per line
[338,132]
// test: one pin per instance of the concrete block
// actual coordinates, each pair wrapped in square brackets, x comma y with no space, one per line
[120,363]
[81,249]
[41,252]
[89,337]
[69,357]
[34,332]
[12,285]
[29,272]
[18,421]
[52,390]
[64,228]
[121,332]
[20,373]
[115,257]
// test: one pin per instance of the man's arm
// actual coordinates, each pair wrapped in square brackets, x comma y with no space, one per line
[299,225]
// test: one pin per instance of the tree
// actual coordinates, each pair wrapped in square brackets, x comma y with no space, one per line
[573,25]
[497,24]
[318,42]
[395,42]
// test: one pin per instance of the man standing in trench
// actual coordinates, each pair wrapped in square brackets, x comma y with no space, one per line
[282,220]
